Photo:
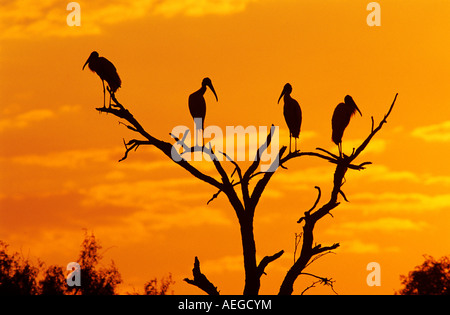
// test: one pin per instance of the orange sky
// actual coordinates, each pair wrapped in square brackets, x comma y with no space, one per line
[59,170]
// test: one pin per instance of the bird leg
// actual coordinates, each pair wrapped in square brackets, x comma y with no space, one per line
[290,138]
[340,149]
[196,137]
[104,95]
[203,140]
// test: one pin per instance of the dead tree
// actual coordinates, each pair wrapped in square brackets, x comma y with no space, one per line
[245,206]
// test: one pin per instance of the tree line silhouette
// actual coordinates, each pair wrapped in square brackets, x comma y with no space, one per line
[19,276]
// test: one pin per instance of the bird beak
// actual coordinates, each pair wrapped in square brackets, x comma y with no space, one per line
[358,110]
[212,89]
[282,93]
[87,61]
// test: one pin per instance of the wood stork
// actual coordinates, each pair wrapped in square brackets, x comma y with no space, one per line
[292,114]
[197,106]
[341,118]
[106,71]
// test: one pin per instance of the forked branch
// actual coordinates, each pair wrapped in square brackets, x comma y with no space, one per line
[201,281]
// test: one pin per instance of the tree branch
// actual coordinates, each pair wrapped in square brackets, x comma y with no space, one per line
[267,260]
[201,281]
[322,280]
[120,111]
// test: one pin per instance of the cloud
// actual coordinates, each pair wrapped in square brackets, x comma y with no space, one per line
[28,18]
[25,119]
[223,264]
[359,247]
[310,177]
[306,178]
[375,146]
[69,159]
[376,173]
[385,224]
[170,8]
[434,133]
[147,194]
[175,218]
[398,202]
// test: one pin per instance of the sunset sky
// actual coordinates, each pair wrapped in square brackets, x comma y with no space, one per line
[59,170]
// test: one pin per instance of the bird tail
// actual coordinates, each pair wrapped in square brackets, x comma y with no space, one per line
[336,137]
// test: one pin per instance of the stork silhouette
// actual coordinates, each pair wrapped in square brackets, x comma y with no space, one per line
[106,71]
[197,107]
[341,118]
[292,114]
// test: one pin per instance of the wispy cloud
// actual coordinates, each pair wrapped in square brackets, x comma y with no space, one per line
[200,7]
[385,225]
[28,118]
[377,146]
[69,159]
[360,247]
[186,217]
[27,18]
[434,133]
[376,173]
[146,194]
[25,119]
[223,264]
[309,177]
[398,202]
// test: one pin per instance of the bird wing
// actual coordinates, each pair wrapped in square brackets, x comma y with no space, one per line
[293,117]
[107,71]
[339,121]
[197,107]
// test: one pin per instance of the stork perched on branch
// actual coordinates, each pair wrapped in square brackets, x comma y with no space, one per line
[106,71]
[341,118]
[292,114]
[197,106]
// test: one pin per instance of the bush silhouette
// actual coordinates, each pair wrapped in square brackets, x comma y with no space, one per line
[430,278]
[18,276]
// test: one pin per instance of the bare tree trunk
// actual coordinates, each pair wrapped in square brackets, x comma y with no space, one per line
[252,281]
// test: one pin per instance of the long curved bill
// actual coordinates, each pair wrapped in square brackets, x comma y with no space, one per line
[87,61]
[212,89]
[358,109]
[282,93]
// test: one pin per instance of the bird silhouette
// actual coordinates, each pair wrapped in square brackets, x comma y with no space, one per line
[197,106]
[292,114]
[341,118]
[106,71]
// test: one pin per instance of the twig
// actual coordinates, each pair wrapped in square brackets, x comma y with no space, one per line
[307,213]
[133,144]
[297,240]
[128,126]
[322,280]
